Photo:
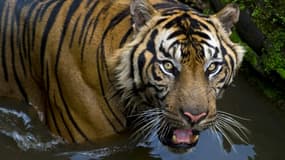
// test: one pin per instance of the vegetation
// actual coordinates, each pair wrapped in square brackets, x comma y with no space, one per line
[269,16]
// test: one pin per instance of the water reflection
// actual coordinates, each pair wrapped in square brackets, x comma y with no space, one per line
[209,147]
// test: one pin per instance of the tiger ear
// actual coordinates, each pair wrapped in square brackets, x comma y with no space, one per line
[228,16]
[141,12]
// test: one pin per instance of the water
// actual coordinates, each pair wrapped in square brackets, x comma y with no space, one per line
[24,137]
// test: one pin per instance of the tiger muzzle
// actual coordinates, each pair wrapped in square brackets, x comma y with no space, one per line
[185,137]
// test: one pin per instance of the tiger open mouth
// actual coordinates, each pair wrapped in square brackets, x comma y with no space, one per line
[181,138]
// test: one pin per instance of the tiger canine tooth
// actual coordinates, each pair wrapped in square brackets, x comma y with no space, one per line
[174,139]
[194,138]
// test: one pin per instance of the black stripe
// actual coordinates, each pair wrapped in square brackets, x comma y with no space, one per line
[95,23]
[165,53]
[149,85]
[141,64]
[86,28]
[88,3]
[151,45]
[12,46]
[216,52]
[133,62]
[198,24]
[208,44]
[86,19]
[133,51]
[64,122]
[116,20]
[169,13]
[103,91]
[206,26]
[26,35]
[224,51]
[74,6]
[176,34]
[177,41]
[54,121]
[2,6]
[160,21]
[203,35]
[172,6]
[84,40]
[50,22]
[67,128]
[125,37]
[180,20]
[34,23]
[45,8]
[22,60]
[18,11]
[101,57]
[73,31]
[172,2]
[4,65]
[49,106]
[173,22]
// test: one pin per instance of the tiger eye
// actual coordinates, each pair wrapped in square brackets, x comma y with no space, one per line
[168,65]
[212,67]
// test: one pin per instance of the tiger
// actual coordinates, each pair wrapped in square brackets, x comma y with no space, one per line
[94,68]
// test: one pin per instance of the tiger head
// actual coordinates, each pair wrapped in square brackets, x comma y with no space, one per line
[174,68]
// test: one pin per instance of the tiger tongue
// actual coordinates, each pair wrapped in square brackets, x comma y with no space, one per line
[182,136]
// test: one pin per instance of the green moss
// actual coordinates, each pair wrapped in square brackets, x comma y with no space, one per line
[274,60]
[269,17]
[281,72]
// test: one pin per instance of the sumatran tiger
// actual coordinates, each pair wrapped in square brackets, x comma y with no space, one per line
[96,67]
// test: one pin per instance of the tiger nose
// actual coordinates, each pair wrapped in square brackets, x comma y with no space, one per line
[194,118]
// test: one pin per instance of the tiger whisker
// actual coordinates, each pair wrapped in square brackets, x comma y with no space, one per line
[232,115]
[224,134]
[230,129]
[233,122]
[215,132]
[164,128]
[151,120]
[237,125]
[144,131]
[240,135]
[225,123]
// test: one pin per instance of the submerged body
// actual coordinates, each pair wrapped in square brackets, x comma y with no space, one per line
[89,65]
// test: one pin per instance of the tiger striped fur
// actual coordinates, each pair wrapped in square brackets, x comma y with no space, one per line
[89,65]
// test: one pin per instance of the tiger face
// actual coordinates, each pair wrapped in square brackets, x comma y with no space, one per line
[177,65]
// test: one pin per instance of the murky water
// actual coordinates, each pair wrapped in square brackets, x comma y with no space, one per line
[23,137]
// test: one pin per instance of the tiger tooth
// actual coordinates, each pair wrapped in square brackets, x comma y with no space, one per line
[174,139]
[194,138]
